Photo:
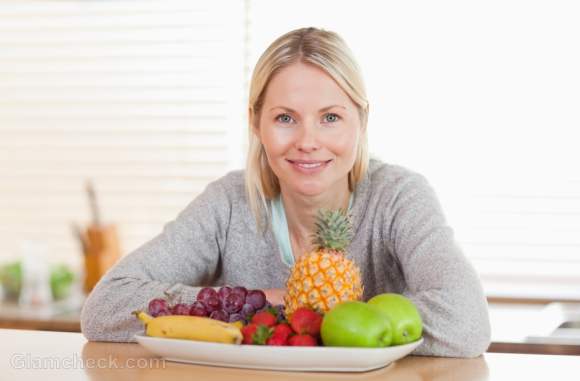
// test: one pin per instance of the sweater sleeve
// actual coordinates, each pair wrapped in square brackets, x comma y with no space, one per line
[184,255]
[439,279]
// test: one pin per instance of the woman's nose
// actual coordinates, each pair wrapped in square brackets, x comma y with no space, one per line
[307,139]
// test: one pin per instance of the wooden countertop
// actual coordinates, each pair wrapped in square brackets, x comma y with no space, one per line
[43,355]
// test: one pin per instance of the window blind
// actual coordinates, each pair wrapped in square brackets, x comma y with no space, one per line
[483,100]
[145,98]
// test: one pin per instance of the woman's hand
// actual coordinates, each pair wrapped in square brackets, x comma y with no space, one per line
[275,295]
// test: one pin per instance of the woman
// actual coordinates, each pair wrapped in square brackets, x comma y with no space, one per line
[308,150]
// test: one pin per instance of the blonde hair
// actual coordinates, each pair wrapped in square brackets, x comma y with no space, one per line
[327,51]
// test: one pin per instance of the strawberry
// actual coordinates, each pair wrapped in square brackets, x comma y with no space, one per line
[264,317]
[302,340]
[306,321]
[256,334]
[282,330]
[280,334]
[248,333]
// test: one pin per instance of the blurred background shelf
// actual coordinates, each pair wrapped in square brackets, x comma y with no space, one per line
[56,317]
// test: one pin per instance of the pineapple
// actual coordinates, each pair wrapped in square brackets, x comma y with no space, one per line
[325,277]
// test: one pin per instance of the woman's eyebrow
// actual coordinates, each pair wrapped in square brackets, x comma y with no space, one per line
[321,110]
[329,107]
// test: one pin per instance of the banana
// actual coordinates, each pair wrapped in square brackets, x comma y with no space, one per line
[238,324]
[190,328]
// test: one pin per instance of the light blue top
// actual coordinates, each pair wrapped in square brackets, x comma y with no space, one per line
[280,228]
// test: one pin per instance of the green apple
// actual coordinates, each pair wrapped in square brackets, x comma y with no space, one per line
[405,319]
[355,324]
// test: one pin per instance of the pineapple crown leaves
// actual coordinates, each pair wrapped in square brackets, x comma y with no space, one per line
[333,230]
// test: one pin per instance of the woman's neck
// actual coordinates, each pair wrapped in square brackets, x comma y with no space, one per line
[301,214]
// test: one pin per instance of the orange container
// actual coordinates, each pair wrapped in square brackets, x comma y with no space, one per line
[101,253]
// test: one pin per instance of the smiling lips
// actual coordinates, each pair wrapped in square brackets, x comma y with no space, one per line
[309,166]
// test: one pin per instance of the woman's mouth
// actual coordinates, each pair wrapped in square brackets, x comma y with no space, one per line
[309,166]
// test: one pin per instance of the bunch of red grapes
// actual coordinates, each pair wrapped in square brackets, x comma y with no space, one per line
[228,304]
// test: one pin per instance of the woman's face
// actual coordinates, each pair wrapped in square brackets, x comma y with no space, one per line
[310,130]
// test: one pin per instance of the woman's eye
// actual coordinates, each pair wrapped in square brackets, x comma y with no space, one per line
[284,118]
[331,118]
